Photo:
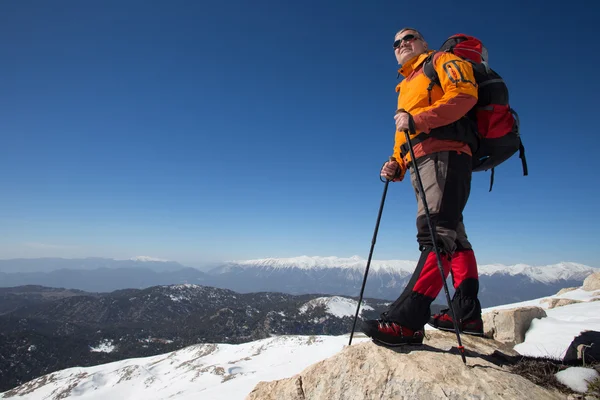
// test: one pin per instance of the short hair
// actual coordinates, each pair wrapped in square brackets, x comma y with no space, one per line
[410,29]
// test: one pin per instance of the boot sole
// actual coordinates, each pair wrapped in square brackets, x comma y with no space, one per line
[377,341]
[468,332]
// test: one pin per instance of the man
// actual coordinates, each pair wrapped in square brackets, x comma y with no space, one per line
[443,155]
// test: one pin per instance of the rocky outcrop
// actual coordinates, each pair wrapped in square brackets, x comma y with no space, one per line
[592,282]
[553,302]
[566,290]
[432,371]
[510,326]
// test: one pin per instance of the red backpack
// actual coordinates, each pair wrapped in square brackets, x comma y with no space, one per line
[497,124]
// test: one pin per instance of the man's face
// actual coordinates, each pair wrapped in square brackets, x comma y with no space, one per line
[408,44]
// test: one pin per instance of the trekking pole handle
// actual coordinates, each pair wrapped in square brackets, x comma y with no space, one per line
[412,129]
[391,159]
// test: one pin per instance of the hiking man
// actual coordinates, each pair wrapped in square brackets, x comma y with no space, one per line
[444,158]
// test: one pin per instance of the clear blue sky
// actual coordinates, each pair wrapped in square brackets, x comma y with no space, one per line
[202,131]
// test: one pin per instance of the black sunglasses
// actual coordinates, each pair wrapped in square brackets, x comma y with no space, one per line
[408,38]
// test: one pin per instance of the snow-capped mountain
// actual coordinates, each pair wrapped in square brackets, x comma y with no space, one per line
[147,259]
[222,371]
[546,274]
[499,284]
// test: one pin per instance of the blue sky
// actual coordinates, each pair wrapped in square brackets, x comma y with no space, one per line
[203,131]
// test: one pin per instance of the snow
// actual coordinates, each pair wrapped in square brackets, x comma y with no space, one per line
[206,371]
[316,262]
[147,259]
[545,274]
[551,336]
[577,378]
[106,346]
[337,306]
[183,286]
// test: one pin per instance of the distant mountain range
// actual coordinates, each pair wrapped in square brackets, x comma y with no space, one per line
[23,265]
[499,284]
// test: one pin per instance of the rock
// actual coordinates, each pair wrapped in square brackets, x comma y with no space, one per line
[510,326]
[565,290]
[553,303]
[367,371]
[592,282]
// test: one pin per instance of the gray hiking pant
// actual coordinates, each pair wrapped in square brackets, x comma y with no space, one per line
[446,178]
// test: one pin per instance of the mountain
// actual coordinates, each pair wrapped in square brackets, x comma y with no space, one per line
[14,298]
[44,330]
[105,279]
[499,284]
[231,371]
[25,265]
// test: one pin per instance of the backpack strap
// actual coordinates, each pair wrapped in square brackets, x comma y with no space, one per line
[521,147]
[430,72]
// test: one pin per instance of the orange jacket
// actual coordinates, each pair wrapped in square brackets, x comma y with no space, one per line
[436,110]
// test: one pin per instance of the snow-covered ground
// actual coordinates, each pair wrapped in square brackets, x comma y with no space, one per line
[222,371]
[205,371]
[551,336]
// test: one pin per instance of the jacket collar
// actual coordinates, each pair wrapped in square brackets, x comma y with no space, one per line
[408,67]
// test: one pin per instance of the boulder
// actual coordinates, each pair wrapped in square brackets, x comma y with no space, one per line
[553,303]
[592,282]
[566,290]
[510,326]
[435,370]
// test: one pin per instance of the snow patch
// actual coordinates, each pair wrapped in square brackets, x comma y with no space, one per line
[106,346]
[337,306]
[184,286]
[156,340]
[577,378]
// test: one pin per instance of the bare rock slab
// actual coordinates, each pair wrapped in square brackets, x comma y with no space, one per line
[433,371]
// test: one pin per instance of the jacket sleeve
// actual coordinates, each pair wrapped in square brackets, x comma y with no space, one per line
[460,93]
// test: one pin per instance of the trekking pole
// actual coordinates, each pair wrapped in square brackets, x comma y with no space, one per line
[362,289]
[413,130]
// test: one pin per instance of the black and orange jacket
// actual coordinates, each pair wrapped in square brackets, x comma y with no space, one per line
[438,112]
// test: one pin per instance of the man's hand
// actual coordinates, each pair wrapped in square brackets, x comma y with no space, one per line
[391,171]
[401,119]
